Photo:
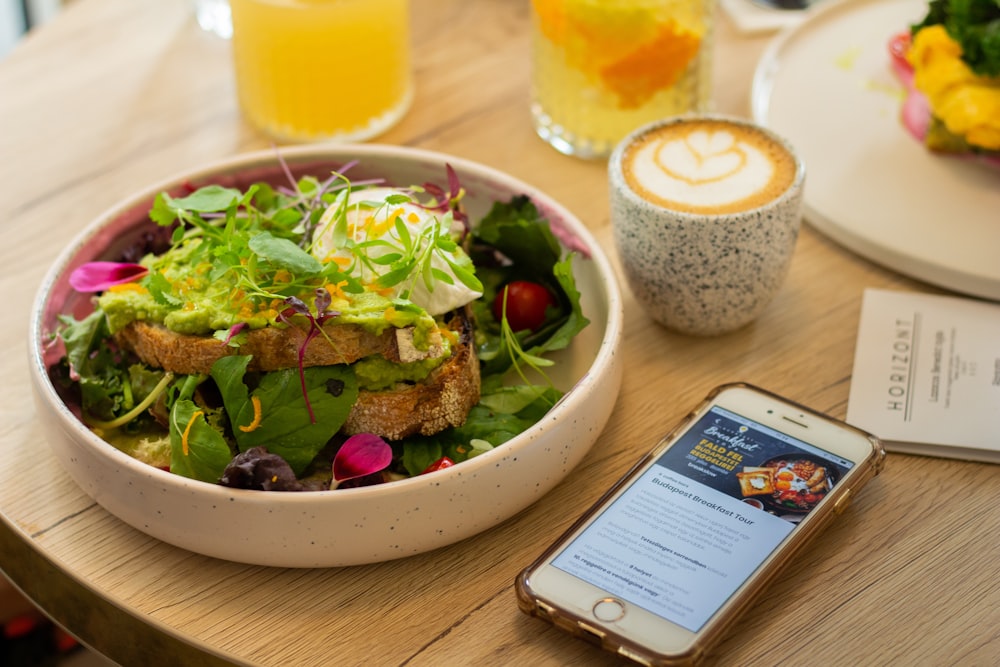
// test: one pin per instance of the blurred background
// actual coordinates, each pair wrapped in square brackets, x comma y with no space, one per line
[19,16]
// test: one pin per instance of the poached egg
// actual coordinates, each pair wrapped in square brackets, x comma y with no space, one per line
[371,216]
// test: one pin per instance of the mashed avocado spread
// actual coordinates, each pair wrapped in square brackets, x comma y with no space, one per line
[192,300]
[373,259]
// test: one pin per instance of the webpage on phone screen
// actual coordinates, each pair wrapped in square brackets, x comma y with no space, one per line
[686,534]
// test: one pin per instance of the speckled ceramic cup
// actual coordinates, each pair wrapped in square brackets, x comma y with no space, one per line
[706,211]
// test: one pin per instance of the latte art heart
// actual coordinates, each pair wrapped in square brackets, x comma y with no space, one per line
[708,167]
[702,157]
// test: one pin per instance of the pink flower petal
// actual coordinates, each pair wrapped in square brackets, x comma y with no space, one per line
[916,114]
[98,276]
[361,455]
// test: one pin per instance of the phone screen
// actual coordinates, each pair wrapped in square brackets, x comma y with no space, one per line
[683,537]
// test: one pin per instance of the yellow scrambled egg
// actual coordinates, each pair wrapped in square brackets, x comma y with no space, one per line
[967,104]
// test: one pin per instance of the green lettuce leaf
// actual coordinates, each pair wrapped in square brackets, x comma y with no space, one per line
[499,416]
[198,450]
[518,231]
[285,427]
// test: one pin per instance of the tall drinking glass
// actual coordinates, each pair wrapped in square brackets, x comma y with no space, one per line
[309,70]
[602,68]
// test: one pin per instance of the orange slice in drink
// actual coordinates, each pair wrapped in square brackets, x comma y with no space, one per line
[654,66]
[632,49]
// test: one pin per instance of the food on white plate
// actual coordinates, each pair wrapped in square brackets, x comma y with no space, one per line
[756,482]
[786,484]
[320,335]
[799,483]
[949,64]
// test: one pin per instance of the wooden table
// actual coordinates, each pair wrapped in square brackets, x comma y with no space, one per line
[116,94]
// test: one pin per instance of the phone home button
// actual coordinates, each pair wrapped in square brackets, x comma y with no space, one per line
[609,610]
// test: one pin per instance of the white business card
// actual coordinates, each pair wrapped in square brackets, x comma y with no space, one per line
[927,374]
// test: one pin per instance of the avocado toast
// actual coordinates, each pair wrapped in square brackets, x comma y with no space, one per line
[284,320]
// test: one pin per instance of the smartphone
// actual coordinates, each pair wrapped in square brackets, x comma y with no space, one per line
[666,560]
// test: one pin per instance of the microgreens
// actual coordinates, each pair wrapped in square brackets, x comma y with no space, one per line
[253,243]
[393,250]
[298,307]
[231,336]
[445,201]
[518,357]
[302,254]
[137,409]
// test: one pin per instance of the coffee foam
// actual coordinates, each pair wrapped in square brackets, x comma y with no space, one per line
[708,167]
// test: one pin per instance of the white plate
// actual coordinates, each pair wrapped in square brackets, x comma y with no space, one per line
[827,86]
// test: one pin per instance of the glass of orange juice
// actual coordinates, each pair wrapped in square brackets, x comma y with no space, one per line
[602,68]
[310,70]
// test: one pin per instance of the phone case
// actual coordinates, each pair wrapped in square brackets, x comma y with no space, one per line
[534,605]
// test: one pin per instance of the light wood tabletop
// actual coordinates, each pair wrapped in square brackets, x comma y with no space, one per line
[116,94]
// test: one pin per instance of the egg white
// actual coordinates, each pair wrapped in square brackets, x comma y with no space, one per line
[369,217]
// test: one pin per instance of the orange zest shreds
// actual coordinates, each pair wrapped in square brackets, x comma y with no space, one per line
[339,260]
[189,306]
[247,310]
[336,290]
[282,276]
[128,287]
[652,67]
[374,227]
[252,426]
[381,291]
[452,336]
[413,218]
[187,432]
[389,314]
[271,310]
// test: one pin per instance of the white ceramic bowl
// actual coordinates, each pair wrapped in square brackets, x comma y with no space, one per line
[347,526]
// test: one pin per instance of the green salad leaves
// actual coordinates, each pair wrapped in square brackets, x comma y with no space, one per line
[201,426]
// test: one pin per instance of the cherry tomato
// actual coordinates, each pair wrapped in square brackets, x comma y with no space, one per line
[526,304]
[440,464]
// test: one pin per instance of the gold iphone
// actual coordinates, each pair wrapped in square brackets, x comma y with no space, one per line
[664,562]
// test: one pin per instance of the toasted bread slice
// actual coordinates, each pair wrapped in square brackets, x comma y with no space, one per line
[756,483]
[440,401]
[272,347]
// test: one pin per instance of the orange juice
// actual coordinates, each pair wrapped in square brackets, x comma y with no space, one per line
[602,68]
[322,69]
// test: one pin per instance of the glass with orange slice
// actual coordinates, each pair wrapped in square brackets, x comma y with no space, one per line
[602,68]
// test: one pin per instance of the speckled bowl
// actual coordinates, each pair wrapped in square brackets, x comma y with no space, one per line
[348,526]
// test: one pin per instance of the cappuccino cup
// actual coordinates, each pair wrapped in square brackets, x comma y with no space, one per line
[705,211]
